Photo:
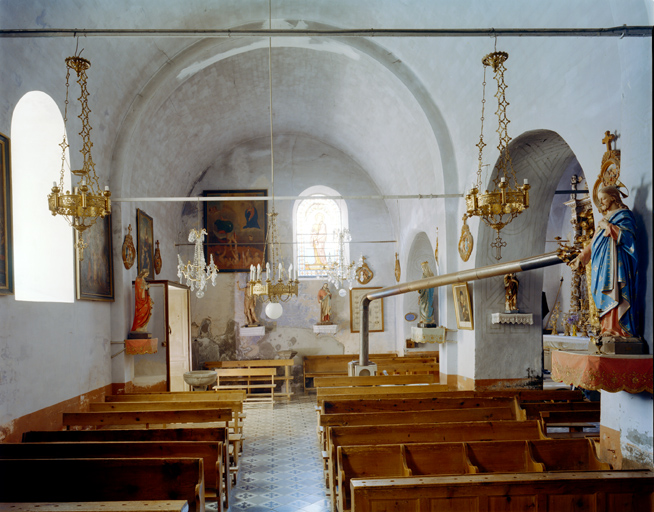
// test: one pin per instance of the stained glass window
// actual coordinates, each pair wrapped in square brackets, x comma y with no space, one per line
[317,221]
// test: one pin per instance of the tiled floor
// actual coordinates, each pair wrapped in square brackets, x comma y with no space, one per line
[281,465]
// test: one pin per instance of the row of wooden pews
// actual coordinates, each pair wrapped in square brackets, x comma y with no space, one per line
[397,447]
[134,448]
[336,365]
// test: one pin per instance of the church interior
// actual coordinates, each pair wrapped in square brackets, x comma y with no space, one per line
[268,164]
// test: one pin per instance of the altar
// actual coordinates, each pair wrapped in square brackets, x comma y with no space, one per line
[556,342]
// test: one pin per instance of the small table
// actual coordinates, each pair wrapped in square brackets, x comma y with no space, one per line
[608,372]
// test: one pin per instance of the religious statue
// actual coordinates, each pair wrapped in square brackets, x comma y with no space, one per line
[426,301]
[249,303]
[612,254]
[511,293]
[325,300]
[143,303]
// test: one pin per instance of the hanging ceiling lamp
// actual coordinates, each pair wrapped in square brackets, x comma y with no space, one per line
[81,207]
[500,206]
[285,286]
[197,273]
[338,271]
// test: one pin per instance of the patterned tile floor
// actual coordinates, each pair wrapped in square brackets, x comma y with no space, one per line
[281,464]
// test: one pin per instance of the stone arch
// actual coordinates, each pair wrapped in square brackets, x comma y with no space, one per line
[542,156]
[421,250]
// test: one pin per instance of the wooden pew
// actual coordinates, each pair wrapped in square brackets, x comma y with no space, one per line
[147,418]
[346,405]
[574,421]
[423,433]
[174,396]
[332,365]
[609,491]
[99,506]
[372,380]
[211,453]
[236,406]
[250,380]
[286,364]
[533,409]
[161,435]
[407,367]
[420,390]
[52,480]
[430,459]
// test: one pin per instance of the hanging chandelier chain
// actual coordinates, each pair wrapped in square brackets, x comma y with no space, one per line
[481,144]
[64,143]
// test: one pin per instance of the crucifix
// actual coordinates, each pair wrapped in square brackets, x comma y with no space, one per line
[608,138]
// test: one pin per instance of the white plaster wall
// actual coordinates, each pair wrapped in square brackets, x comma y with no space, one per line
[631,415]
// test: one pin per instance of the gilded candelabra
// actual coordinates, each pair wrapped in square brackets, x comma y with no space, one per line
[81,207]
[497,207]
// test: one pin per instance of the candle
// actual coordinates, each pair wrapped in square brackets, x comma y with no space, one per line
[258,272]
[502,180]
[106,187]
[290,272]
[54,183]
[268,271]
[526,181]
[279,272]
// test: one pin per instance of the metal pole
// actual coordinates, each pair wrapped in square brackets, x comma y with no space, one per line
[532,263]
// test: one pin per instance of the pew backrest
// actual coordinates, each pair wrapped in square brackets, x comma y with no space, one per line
[71,419]
[175,396]
[49,480]
[372,380]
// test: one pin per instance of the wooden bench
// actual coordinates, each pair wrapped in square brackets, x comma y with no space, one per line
[372,380]
[533,409]
[251,380]
[211,453]
[419,390]
[160,435]
[574,421]
[429,459]
[99,506]
[146,418]
[52,480]
[174,396]
[332,365]
[346,405]
[409,366]
[609,491]
[285,379]
[236,406]
[423,433]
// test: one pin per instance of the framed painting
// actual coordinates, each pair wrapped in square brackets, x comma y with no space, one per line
[145,243]
[462,306]
[6,241]
[375,313]
[236,229]
[95,273]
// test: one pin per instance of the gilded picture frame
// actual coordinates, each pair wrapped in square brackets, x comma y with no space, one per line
[145,243]
[236,229]
[6,238]
[375,313]
[462,306]
[95,273]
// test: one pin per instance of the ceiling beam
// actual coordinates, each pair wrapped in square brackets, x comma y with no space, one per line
[623,31]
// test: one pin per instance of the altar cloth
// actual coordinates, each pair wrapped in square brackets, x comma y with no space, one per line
[608,372]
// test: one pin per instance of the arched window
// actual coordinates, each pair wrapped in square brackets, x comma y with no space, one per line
[43,244]
[316,223]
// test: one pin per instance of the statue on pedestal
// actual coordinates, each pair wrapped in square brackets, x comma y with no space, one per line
[614,261]
[511,285]
[249,303]
[325,301]
[426,301]
[143,305]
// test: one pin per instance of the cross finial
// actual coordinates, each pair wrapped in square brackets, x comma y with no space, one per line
[608,138]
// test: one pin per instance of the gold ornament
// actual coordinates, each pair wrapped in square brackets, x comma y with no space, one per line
[466,242]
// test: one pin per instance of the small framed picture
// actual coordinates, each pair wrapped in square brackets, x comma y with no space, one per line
[462,306]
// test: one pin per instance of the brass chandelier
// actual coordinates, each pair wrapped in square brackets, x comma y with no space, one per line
[282,287]
[497,207]
[81,207]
